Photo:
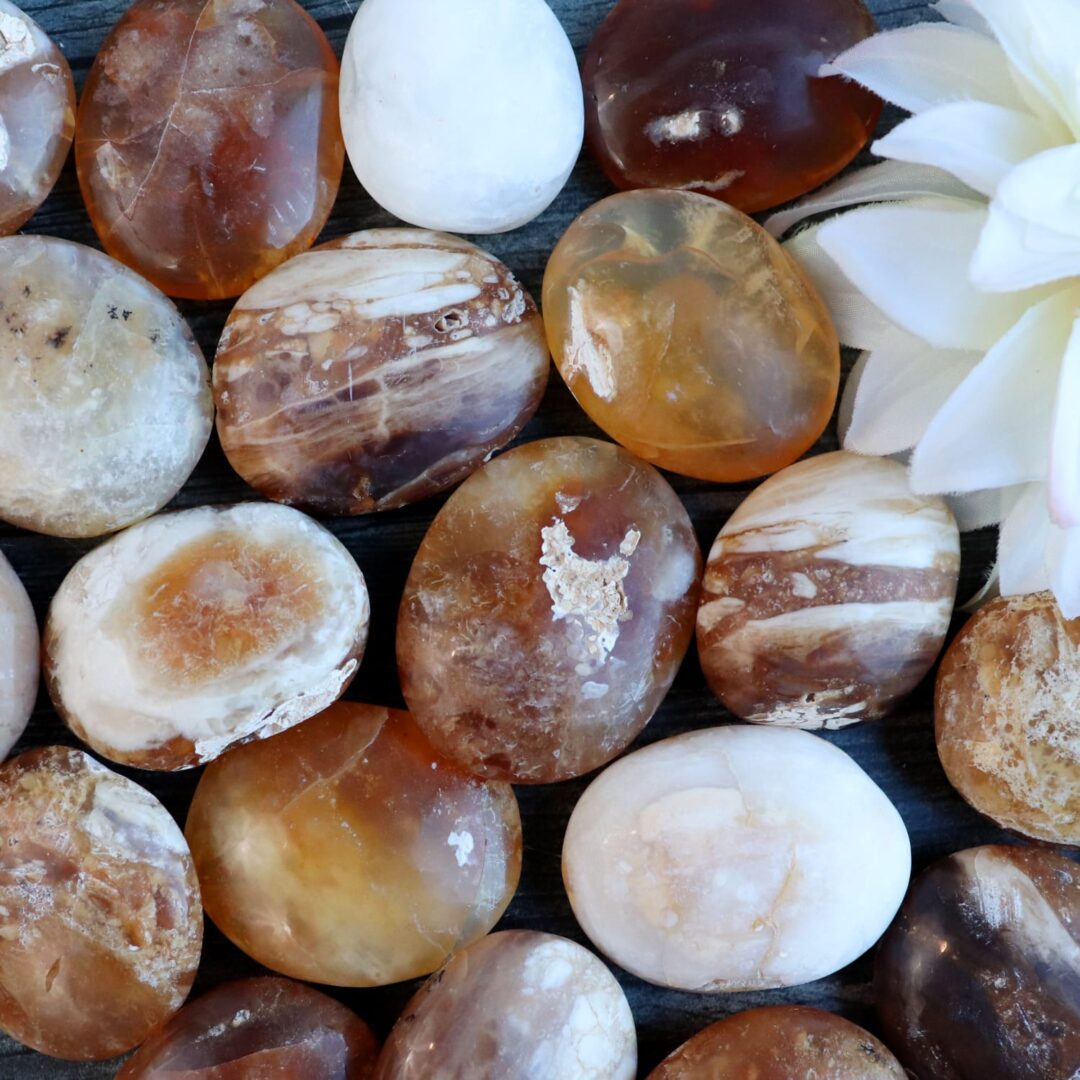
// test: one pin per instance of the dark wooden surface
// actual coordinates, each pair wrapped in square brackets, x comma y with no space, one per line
[898,753]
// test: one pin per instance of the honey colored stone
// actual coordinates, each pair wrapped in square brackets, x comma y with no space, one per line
[105,404]
[980,974]
[208,144]
[828,594]
[20,657]
[518,1005]
[347,851]
[198,630]
[548,610]
[724,96]
[736,858]
[37,116]
[781,1042]
[376,370]
[100,922]
[258,1029]
[1007,717]
[690,336]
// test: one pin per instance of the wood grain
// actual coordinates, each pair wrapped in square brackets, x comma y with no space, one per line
[898,752]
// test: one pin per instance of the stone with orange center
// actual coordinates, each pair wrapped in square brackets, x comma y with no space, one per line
[548,610]
[37,116]
[197,630]
[208,145]
[258,1029]
[348,851]
[100,921]
[690,336]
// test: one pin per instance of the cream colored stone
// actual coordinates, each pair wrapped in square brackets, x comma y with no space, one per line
[19,657]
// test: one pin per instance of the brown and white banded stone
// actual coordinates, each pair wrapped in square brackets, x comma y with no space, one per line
[20,657]
[194,631]
[827,594]
[1007,716]
[376,370]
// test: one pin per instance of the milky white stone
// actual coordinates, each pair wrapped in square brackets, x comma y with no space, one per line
[19,659]
[464,115]
[736,858]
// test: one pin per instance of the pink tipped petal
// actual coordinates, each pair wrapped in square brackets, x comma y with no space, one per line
[902,384]
[1064,484]
[995,428]
[961,13]
[979,509]
[911,261]
[930,64]
[976,142]
[859,323]
[1063,562]
[889,181]
[1022,545]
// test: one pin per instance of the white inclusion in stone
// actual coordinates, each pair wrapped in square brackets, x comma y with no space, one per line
[463,844]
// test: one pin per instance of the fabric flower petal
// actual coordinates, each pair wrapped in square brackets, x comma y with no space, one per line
[980,509]
[961,13]
[990,590]
[911,260]
[902,384]
[993,430]
[930,64]
[1063,564]
[1022,545]
[1064,479]
[976,142]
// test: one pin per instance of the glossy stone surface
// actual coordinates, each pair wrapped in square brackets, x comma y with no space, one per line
[208,144]
[736,858]
[781,1042]
[105,404]
[37,116]
[724,97]
[376,370]
[827,594]
[198,630]
[258,1029]
[20,659]
[547,610]
[461,115]
[347,851]
[1007,716]
[518,1005]
[690,336]
[100,922]
[980,974]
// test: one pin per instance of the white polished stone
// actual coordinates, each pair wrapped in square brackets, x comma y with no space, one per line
[19,657]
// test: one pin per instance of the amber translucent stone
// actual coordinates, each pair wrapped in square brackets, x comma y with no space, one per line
[980,974]
[258,1029]
[377,370]
[208,144]
[100,922]
[347,851]
[37,116]
[724,97]
[690,336]
[781,1042]
[1007,716]
[548,610]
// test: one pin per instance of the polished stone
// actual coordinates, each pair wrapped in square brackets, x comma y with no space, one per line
[547,610]
[690,336]
[20,657]
[377,370]
[198,630]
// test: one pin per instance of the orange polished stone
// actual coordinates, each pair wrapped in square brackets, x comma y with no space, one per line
[208,144]
[347,851]
[690,336]
[100,923]
[258,1029]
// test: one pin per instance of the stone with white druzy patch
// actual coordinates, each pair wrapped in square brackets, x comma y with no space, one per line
[548,610]
[736,858]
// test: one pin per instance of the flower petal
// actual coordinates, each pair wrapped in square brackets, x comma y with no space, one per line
[961,13]
[988,592]
[889,181]
[979,509]
[994,429]
[859,324]
[1063,564]
[902,384]
[1033,232]
[930,64]
[1064,485]
[1022,545]
[976,142]
[912,261]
